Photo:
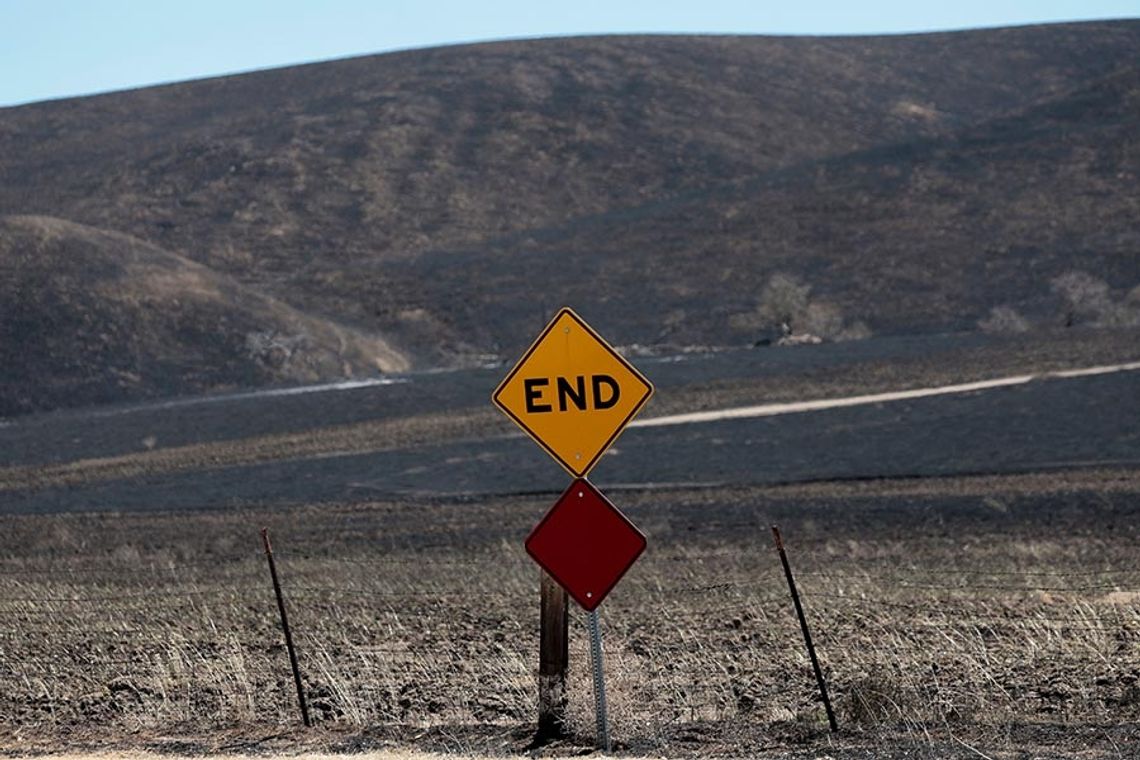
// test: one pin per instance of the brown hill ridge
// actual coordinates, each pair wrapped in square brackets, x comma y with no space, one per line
[88,316]
[450,199]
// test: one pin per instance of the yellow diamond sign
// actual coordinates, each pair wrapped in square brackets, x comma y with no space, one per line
[572,393]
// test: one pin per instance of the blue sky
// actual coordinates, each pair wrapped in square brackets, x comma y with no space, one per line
[61,48]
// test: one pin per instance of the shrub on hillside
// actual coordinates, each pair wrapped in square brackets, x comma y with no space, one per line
[273,349]
[784,307]
[783,301]
[857,330]
[1088,300]
[1084,297]
[1119,315]
[1004,320]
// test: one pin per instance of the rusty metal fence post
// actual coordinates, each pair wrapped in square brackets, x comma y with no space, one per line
[285,628]
[804,627]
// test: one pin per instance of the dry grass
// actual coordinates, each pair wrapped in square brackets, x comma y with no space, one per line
[947,612]
[387,755]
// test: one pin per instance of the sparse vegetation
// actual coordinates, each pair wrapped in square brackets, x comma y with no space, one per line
[1088,300]
[1004,320]
[785,308]
[1085,297]
[273,349]
[962,616]
[783,303]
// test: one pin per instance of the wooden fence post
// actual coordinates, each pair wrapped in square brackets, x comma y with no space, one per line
[553,658]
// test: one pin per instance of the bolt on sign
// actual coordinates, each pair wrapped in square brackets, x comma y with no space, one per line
[585,543]
[572,393]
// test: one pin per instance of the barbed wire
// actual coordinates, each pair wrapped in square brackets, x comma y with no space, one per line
[289,557]
[924,605]
[151,594]
[133,568]
[720,586]
[900,571]
[714,622]
[997,587]
[323,593]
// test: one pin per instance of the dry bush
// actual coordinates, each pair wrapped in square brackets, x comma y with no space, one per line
[1085,296]
[1004,320]
[230,258]
[857,330]
[785,306]
[822,319]
[783,301]
[1088,300]
[274,349]
[1119,315]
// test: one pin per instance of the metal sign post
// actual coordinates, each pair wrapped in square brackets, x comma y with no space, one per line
[602,739]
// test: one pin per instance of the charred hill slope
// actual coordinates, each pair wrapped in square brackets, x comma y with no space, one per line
[445,200]
[922,236]
[88,317]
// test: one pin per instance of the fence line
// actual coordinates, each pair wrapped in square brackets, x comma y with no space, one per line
[898,572]
[334,631]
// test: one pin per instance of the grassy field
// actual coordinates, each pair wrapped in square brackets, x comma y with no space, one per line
[994,612]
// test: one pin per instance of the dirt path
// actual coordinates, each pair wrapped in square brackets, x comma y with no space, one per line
[397,434]
[769,410]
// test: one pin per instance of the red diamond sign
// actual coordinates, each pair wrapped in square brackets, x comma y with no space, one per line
[585,543]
